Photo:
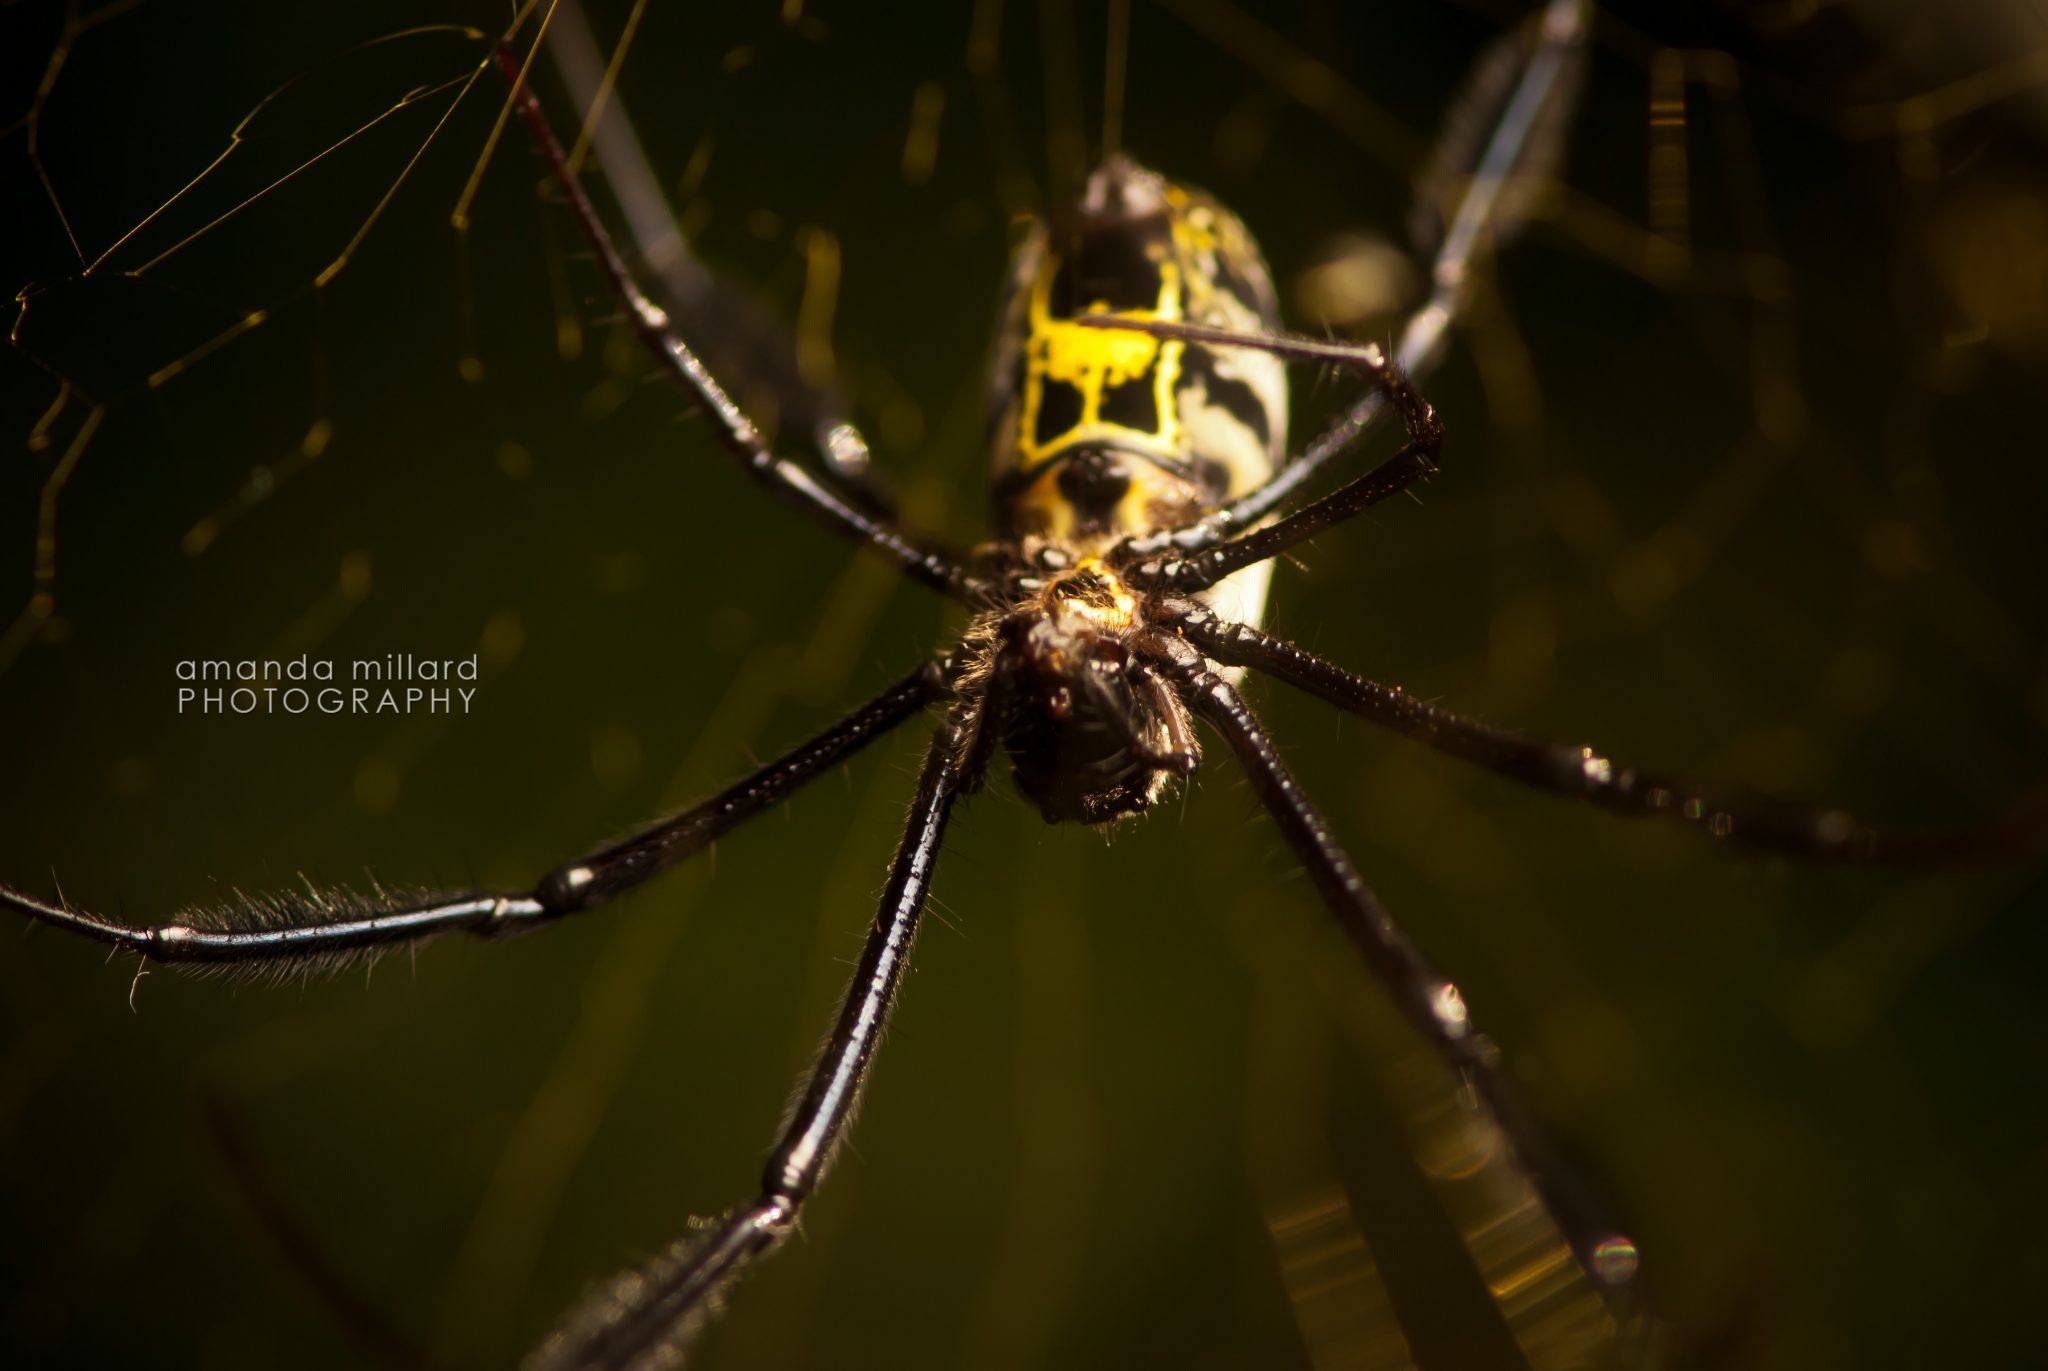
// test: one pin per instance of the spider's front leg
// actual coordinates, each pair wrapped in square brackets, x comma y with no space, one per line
[1430,1002]
[646,1317]
[319,929]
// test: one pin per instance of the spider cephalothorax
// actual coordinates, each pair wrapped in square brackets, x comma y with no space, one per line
[1092,730]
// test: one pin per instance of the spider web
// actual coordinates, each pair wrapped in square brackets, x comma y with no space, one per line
[274,387]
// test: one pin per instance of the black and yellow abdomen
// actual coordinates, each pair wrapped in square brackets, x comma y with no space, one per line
[1100,434]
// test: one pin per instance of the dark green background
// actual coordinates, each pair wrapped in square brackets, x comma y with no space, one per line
[1816,1091]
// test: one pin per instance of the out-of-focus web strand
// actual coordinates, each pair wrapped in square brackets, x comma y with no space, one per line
[42,597]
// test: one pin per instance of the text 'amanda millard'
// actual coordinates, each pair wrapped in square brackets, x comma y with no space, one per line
[397,683]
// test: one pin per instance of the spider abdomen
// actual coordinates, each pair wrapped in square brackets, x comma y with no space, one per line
[1101,434]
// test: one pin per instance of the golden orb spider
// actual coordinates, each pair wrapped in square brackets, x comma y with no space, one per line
[1142,486]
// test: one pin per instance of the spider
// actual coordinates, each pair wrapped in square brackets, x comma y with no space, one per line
[1142,488]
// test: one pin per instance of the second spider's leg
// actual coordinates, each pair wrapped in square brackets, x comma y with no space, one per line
[317,929]
[932,566]
[1416,459]
[1430,1003]
[647,1316]
[1582,773]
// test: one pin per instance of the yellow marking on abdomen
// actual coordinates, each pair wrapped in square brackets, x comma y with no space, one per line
[1093,359]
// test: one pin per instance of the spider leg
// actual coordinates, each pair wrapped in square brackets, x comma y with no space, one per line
[1582,773]
[1527,145]
[1416,459]
[1524,151]
[319,929]
[646,1317]
[924,563]
[1428,1001]
[740,340]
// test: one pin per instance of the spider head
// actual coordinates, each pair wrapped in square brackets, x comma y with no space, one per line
[1093,733]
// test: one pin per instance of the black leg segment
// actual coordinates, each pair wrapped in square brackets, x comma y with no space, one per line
[1416,459]
[1478,191]
[929,565]
[1431,1003]
[1585,774]
[316,929]
[645,1318]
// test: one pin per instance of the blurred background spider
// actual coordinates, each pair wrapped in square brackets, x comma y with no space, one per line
[1573,769]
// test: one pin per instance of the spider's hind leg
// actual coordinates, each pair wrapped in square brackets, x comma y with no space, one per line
[1417,458]
[1503,143]
[922,561]
[741,340]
